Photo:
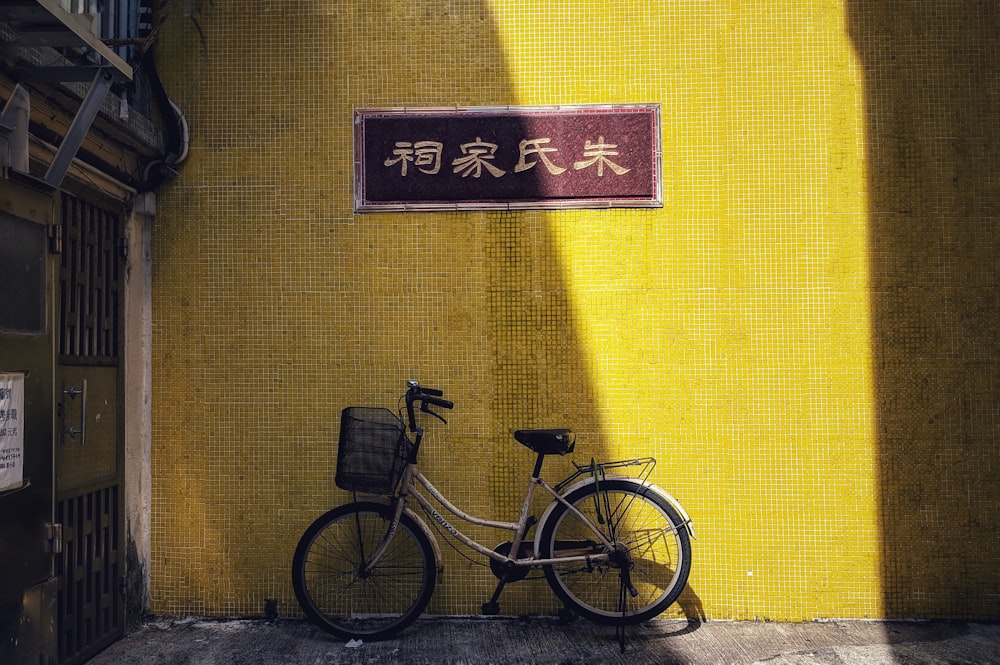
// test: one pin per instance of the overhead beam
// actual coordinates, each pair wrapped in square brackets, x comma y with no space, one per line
[79,128]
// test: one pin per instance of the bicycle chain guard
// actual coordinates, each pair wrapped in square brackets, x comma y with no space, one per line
[507,572]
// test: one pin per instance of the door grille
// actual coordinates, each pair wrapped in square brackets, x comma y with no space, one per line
[89,283]
[90,568]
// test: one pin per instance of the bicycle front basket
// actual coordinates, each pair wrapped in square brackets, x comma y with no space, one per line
[372,451]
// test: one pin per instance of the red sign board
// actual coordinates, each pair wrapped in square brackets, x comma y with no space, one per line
[507,158]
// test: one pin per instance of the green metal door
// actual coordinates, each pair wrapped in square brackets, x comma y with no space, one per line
[28,536]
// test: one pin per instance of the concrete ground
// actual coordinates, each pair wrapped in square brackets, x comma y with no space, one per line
[470,641]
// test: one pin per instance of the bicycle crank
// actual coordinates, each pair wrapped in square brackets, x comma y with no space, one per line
[508,572]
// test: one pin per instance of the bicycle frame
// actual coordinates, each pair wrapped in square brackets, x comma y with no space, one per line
[614,547]
[519,528]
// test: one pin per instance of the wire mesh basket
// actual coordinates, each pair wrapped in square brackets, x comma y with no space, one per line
[372,451]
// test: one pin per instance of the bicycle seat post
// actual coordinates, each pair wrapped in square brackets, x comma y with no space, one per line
[538,466]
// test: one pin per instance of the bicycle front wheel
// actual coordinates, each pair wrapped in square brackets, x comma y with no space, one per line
[340,595]
[652,552]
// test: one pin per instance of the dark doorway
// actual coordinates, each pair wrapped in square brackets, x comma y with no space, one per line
[89,446]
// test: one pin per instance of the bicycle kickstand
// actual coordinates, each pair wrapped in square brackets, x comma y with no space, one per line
[620,630]
[492,606]
[625,589]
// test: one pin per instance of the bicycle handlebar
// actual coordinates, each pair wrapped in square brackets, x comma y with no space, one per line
[427,397]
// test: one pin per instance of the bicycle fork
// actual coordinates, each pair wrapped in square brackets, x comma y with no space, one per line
[366,568]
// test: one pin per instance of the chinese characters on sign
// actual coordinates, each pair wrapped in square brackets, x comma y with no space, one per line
[425,155]
[476,156]
[11,431]
[520,157]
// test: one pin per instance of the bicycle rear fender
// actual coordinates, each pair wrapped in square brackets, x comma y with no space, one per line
[645,485]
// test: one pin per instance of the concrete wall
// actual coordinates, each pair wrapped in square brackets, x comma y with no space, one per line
[802,335]
[138,426]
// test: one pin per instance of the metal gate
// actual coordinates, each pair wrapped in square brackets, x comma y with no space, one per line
[89,451]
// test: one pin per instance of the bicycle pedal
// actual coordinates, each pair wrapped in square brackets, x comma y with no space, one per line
[491,609]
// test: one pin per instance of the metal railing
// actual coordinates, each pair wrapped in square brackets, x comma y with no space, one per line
[122,24]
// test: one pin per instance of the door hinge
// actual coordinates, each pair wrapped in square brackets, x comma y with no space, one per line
[55,239]
[54,538]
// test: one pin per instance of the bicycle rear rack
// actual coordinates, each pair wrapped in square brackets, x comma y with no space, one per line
[599,470]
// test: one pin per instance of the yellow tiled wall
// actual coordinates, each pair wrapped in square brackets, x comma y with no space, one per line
[803,335]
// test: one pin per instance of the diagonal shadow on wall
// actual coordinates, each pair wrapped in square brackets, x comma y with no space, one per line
[333,308]
[931,72]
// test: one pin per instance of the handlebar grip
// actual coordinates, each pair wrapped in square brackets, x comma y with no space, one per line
[438,402]
[431,391]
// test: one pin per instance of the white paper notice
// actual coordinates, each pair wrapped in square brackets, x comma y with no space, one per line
[11,431]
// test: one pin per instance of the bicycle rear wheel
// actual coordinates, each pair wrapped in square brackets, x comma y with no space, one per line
[339,596]
[652,544]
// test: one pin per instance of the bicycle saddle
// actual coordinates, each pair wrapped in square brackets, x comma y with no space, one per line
[547,441]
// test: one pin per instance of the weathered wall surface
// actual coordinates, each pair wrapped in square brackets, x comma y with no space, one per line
[791,335]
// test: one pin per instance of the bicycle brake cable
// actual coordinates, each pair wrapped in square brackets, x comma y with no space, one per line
[447,537]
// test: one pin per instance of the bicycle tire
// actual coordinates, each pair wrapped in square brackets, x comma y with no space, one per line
[334,595]
[644,525]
